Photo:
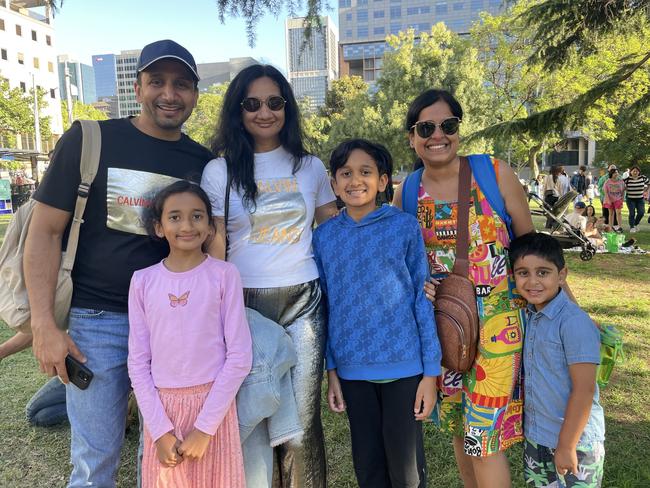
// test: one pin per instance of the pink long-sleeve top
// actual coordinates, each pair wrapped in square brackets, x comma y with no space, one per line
[187,329]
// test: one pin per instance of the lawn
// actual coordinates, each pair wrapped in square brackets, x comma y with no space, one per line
[613,288]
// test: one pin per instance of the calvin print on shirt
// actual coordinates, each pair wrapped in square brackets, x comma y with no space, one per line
[128,195]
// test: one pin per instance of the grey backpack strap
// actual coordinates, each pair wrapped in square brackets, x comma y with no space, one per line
[91,146]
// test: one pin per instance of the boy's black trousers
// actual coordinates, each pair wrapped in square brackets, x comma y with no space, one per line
[387,443]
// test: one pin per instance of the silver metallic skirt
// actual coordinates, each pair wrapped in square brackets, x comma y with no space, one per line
[299,310]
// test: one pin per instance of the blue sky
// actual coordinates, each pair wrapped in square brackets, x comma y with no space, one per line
[87,27]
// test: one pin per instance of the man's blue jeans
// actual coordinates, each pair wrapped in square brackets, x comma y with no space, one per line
[47,406]
[98,414]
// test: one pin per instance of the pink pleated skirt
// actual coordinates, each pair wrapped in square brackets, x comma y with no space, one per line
[222,466]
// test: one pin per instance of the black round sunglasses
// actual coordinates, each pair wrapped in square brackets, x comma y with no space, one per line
[274,102]
[425,128]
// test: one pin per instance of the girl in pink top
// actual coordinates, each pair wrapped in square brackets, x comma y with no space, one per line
[614,190]
[189,350]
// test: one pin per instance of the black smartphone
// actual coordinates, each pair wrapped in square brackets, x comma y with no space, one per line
[78,374]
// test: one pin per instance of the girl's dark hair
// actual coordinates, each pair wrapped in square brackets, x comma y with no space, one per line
[380,155]
[587,210]
[635,167]
[537,244]
[422,101]
[556,171]
[155,211]
[612,172]
[231,140]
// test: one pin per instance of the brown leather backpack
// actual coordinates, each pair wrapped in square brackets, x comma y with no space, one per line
[456,313]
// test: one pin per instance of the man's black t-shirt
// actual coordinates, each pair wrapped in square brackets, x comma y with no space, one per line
[113,242]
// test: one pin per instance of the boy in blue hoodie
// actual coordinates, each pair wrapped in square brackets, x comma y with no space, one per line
[383,354]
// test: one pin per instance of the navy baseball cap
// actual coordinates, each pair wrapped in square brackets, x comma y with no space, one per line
[166,49]
[580,205]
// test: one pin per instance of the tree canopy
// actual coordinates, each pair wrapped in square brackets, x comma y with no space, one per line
[16,112]
[563,31]
[80,111]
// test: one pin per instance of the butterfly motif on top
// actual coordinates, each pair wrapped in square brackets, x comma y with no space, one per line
[181,301]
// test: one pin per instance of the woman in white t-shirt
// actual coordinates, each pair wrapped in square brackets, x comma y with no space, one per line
[277,190]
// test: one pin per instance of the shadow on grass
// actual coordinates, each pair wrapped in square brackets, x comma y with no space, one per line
[626,454]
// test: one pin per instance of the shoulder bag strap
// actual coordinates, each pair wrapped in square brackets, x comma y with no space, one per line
[91,145]
[226,209]
[461,264]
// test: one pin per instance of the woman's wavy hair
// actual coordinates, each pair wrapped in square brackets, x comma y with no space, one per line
[231,140]
[422,101]
[556,171]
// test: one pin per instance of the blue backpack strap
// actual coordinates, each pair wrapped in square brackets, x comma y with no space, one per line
[486,179]
[410,190]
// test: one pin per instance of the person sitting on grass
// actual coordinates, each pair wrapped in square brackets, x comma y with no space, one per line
[383,354]
[564,423]
[47,407]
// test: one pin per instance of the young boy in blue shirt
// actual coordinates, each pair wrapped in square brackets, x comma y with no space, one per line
[383,354]
[563,421]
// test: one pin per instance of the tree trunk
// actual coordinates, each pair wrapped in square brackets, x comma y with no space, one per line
[532,160]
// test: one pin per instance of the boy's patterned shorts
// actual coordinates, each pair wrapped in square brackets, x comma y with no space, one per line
[539,468]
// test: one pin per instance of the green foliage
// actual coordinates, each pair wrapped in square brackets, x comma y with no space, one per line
[631,145]
[201,125]
[80,111]
[341,92]
[16,112]
[565,34]
[15,109]
[438,59]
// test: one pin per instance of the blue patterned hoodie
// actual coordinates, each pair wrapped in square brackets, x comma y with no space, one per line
[381,325]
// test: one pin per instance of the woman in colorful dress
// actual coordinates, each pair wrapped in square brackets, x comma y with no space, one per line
[483,407]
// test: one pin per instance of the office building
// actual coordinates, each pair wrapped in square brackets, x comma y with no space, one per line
[126,64]
[81,79]
[312,64]
[28,59]
[105,75]
[364,25]
[221,72]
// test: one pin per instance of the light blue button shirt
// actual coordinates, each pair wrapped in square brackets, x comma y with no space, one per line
[558,336]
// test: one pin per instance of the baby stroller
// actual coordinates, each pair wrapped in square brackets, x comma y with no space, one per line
[561,229]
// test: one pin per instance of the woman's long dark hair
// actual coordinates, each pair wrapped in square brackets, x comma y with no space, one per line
[231,140]
[556,171]
[422,101]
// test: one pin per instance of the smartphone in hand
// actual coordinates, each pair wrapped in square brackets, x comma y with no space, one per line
[78,374]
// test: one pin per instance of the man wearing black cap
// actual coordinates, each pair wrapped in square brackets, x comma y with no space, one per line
[139,156]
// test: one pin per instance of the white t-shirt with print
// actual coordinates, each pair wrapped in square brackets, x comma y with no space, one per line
[271,243]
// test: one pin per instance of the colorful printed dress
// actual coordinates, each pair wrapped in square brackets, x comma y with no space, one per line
[484,405]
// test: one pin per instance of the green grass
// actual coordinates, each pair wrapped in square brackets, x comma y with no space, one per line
[613,288]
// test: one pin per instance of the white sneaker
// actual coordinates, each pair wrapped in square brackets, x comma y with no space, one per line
[633,230]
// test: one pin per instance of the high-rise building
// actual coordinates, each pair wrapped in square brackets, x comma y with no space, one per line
[28,59]
[222,71]
[126,64]
[312,64]
[82,80]
[364,25]
[105,75]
